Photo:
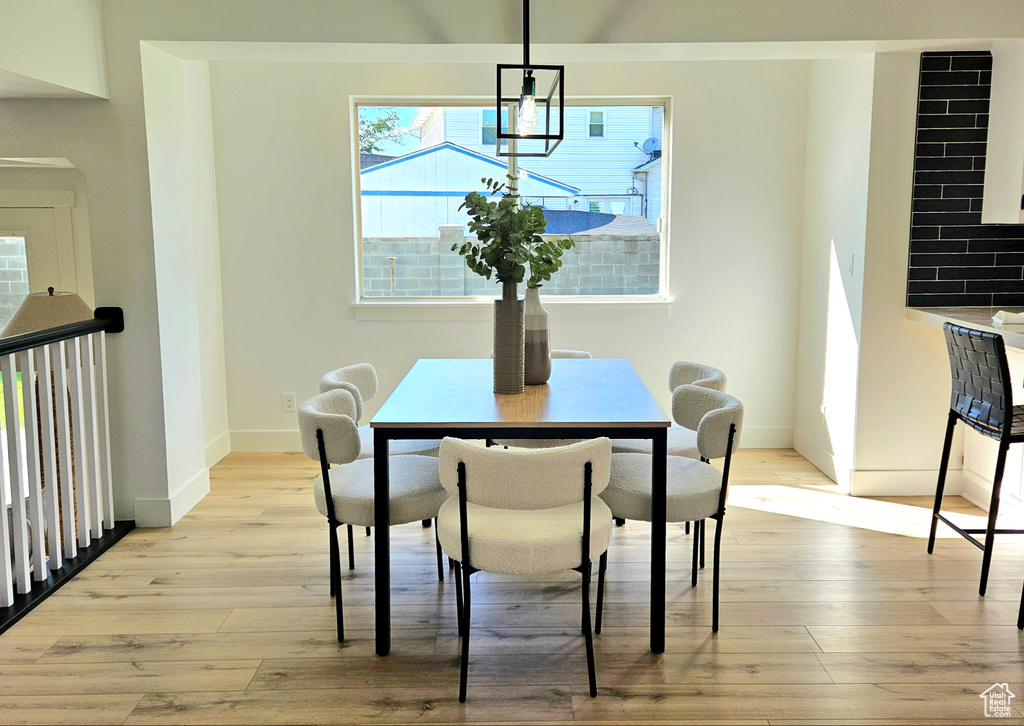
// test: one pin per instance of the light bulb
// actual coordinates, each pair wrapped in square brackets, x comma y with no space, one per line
[527,115]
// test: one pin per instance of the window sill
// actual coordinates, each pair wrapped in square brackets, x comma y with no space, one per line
[577,308]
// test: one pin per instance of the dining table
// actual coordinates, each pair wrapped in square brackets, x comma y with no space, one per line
[583,399]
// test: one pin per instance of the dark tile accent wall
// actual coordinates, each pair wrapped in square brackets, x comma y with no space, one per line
[955,260]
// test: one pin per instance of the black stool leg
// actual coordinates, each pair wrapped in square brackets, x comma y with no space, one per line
[601,567]
[686,528]
[367,531]
[993,513]
[451,564]
[458,596]
[696,546]
[715,575]
[703,540]
[1020,613]
[425,523]
[464,671]
[440,558]
[941,484]
[336,577]
[587,634]
[351,552]
[619,521]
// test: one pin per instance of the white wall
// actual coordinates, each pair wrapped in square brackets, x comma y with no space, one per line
[284,184]
[832,261]
[58,43]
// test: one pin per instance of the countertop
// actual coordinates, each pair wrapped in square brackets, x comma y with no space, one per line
[977,318]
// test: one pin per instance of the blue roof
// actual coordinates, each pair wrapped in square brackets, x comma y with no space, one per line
[571,221]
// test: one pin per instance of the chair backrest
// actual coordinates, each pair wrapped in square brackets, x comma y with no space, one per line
[570,354]
[332,412]
[710,413]
[981,387]
[525,478]
[686,372]
[359,379]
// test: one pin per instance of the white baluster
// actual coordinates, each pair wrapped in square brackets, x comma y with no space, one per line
[26,364]
[17,475]
[92,459]
[78,429]
[67,494]
[103,428]
[51,507]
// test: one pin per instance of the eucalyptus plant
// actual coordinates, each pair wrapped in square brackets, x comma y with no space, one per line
[509,239]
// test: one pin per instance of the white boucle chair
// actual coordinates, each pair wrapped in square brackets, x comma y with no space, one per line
[696,490]
[525,512]
[544,443]
[344,493]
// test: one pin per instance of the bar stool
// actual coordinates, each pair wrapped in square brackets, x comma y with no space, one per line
[982,398]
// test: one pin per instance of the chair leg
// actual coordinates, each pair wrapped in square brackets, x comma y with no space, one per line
[425,523]
[686,528]
[332,554]
[703,540]
[715,575]
[601,567]
[696,546]
[587,634]
[1020,613]
[941,483]
[451,564]
[351,550]
[440,557]
[467,606]
[458,596]
[619,521]
[993,513]
[367,531]
[336,576]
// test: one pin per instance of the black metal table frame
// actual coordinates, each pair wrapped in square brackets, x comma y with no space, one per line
[383,434]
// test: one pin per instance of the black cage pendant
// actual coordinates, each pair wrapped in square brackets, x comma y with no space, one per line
[530,124]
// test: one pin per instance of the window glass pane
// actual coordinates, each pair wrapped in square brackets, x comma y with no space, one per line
[14,284]
[605,197]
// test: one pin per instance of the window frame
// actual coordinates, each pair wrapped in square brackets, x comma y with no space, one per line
[604,122]
[424,308]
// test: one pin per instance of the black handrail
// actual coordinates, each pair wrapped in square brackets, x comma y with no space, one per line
[110,320]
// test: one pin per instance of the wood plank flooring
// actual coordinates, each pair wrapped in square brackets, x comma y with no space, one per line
[832,612]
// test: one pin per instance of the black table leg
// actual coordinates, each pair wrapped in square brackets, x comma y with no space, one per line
[659,464]
[382,543]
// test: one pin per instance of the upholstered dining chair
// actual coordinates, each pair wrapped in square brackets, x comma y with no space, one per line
[344,492]
[543,443]
[696,490]
[525,512]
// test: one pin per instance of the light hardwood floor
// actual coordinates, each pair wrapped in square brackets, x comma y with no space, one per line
[832,612]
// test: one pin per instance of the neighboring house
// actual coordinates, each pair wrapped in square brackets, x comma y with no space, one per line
[600,153]
[411,195]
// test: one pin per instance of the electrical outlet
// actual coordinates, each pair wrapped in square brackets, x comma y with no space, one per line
[287,401]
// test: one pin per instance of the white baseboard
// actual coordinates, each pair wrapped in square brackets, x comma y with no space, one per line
[821,458]
[283,440]
[165,512]
[218,449]
[902,482]
[978,491]
[766,437]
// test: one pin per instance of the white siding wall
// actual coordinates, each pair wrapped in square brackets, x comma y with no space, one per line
[654,193]
[433,130]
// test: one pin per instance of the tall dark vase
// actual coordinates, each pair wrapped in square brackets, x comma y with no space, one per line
[537,346]
[509,313]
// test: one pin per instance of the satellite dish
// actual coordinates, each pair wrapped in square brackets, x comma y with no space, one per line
[651,145]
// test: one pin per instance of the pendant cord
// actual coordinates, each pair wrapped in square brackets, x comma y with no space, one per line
[526,32]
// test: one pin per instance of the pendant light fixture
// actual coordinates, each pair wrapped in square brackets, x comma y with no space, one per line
[529,125]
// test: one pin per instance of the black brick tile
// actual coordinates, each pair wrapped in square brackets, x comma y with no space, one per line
[942,106]
[977,204]
[982,121]
[942,205]
[1006,259]
[985,78]
[948,121]
[949,177]
[965,260]
[992,286]
[915,287]
[930,150]
[945,163]
[932,136]
[973,106]
[996,245]
[949,191]
[949,78]
[939,63]
[922,191]
[979,163]
[944,301]
[973,148]
[922,273]
[924,219]
[959,53]
[987,231]
[934,93]
[1008,300]
[971,63]
[980,273]
[926,246]
[917,233]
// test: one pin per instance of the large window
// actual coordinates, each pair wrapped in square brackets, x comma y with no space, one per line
[417,163]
